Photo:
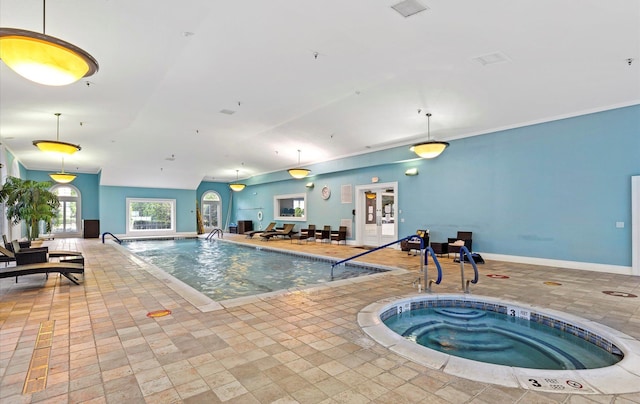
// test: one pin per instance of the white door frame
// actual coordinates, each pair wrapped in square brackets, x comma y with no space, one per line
[360,214]
[635,225]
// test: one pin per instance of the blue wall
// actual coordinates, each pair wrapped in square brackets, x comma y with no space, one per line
[553,190]
[113,216]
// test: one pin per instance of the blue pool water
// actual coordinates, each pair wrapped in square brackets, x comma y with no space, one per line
[223,270]
[492,337]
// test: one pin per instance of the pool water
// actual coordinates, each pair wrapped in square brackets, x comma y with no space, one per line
[492,337]
[223,270]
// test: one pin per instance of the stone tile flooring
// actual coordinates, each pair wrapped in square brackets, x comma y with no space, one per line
[302,346]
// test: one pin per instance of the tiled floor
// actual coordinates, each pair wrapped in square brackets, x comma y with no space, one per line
[302,346]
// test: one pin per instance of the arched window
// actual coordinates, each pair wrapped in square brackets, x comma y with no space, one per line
[211,210]
[66,223]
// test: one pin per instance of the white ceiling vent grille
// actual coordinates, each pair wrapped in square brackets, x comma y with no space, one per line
[492,58]
[408,8]
[227,112]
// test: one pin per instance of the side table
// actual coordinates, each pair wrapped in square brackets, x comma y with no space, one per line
[440,248]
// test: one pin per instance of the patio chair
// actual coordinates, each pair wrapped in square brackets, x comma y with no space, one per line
[269,228]
[340,235]
[305,234]
[462,238]
[325,234]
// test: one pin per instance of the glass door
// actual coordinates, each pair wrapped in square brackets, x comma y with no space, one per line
[378,223]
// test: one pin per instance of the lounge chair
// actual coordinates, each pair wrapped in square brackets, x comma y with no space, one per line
[64,268]
[287,231]
[270,227]
[24,256]
[36,261]
[52,253]
[9,246]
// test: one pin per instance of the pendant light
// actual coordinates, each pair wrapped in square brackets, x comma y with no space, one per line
[298,173]
[62,177]
[44,59]
[237,186]
[56,145]
[430,148]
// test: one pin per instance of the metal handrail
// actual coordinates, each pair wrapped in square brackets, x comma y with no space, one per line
[465,285]
[423,263]
[112,235]
[429,251]
[214,232]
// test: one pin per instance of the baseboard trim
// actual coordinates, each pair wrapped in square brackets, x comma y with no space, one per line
[585,266]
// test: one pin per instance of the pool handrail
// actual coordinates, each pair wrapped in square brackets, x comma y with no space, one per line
[423,269]
[465,285]
[214,232]
[112,235]
[335,264]
[429,251]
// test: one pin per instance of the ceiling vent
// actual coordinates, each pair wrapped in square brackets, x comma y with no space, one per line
[408,8]
[227,112]
[492,58]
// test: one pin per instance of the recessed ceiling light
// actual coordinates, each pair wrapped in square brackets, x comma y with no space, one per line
[408,8]
[492,58]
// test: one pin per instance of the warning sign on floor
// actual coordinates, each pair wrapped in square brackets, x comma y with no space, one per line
[555,385]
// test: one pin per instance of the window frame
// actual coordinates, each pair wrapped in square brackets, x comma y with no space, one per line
[277,209]
[150,232]
[219,215]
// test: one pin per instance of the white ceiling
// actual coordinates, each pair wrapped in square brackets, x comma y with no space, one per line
[331,78]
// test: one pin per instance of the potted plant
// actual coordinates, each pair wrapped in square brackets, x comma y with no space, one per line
[30,201]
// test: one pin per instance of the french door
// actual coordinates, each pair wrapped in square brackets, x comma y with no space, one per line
[376,215]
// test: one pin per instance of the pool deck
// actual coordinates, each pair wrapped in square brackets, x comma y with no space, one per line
[300,346]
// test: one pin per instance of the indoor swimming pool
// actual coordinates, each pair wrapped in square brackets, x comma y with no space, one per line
[223,270]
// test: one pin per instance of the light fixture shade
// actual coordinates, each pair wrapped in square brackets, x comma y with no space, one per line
[56,146]
[299,173]
[237,187]
[370,195]
[62,177]
[430,149]
[44,59]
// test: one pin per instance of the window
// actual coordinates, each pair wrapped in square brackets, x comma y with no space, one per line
[211,210]
[290,207]
[67,219]
[151,216]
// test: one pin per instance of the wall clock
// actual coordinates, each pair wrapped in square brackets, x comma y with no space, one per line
[326,192]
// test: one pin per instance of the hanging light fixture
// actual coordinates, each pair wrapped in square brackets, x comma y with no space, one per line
[44,59]
[370,195]
[56,145]
[62,177]
[237,186]
[298,173]
[430,148]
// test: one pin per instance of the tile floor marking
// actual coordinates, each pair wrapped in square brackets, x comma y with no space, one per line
[39,367]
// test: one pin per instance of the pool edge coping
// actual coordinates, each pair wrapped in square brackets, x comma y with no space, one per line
[616,379]
[206,304]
